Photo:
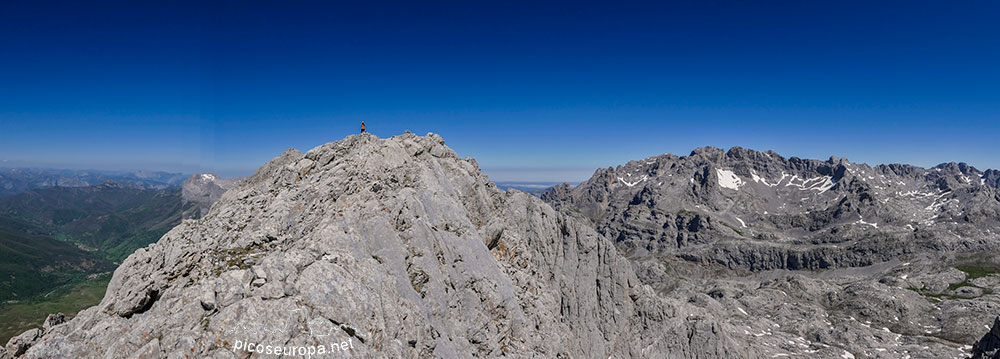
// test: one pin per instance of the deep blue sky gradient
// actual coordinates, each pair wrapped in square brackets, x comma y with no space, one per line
[535,91]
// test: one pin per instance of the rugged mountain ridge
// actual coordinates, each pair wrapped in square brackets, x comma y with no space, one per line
[758,211]
[398,247]
[17,180]
[852,248]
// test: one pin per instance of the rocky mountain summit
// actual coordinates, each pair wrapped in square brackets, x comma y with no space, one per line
[396,247]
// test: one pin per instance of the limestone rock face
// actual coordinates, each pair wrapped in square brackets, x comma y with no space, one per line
[388,248]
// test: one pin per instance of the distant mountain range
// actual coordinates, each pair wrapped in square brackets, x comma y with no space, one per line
[758,210]
[17,180]
[535,188]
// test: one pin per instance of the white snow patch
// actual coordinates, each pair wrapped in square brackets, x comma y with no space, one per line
[758,179]
[862,221]
[847,355]
[630,184]
[728,179]
[792,181]
[743,311]
[821,183]
[208,176]
[741,222]
[825,185]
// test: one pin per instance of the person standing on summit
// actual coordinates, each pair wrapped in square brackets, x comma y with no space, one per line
[362,126]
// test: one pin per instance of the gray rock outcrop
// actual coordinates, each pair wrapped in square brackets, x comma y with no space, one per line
[20,344]
[53,320]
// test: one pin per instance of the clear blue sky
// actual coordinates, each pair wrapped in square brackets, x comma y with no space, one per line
[533,91]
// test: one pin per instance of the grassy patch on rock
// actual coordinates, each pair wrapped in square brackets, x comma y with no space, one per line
[974,272]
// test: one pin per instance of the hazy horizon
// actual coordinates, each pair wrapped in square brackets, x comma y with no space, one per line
[507,175]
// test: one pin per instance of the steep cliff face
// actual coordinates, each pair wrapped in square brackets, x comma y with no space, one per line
[385,248]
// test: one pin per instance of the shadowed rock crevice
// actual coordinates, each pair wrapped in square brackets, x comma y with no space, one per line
[989,346]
